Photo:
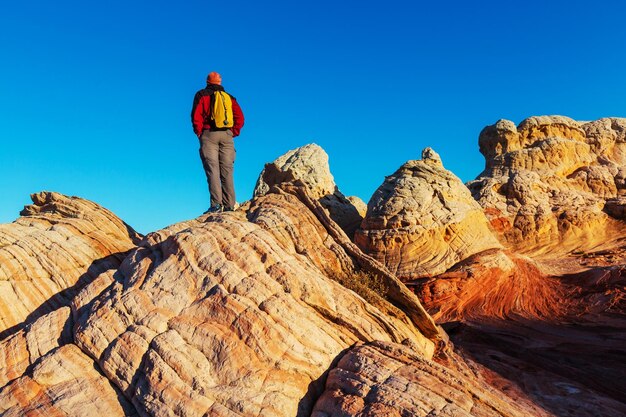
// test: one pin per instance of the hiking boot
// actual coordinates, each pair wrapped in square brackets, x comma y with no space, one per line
[214,209]
[228,209]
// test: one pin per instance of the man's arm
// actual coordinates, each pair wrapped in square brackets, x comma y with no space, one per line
[197,112]
[237,118]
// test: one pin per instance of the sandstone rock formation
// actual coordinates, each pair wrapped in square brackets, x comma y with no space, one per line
[422,220]
[63,383]
[561,338]
[232,316]
[309,164]
[43,373]
[386,379]
[553,183]
[24,347]
[57,245]
[272,310]
[229,314]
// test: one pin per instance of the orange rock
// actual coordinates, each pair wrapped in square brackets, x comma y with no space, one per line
[49,253]
[555,180]
[237,311]
[385,379]
[422,220]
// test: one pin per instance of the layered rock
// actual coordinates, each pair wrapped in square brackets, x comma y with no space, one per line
[389,380]
[309,164]
[491,285]
[46,255]
[63,383]
[272,310]
[553,183]
[44,373]
[236,314]
[560,338]
[422,220]
[26,346]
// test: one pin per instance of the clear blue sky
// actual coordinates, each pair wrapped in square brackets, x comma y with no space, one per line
[95,96]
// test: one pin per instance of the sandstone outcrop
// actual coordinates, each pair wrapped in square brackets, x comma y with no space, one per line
[26,346]
[57,245]
[559,337]
[490,285]
[272,310]
[63,383]
[553,183]
[309,164]
[389,380]
[422,220]
[229,314]
[246,325]
[43,373]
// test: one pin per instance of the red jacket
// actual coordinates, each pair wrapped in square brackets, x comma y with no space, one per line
[200,111]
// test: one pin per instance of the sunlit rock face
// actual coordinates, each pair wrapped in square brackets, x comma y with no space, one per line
[228,314]
[65,382]
[272,310]
[381,379]
[309,164]
[224,315]
[26,346]
[422,220]
[44,373]
[58,245]
[553,183]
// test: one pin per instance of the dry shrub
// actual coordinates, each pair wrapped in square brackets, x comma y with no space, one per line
[371,287]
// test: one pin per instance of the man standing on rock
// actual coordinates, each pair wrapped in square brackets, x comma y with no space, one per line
[216,119]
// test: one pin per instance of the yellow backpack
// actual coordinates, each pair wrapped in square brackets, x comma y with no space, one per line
[222,110]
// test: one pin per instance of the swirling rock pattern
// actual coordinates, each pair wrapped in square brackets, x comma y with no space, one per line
[229,314]
[389,380]
[422,220]
[233,314]
[491,285]
[24,347]
[268,310]
[308,163]
[63,383]
[43,373]
[561,338]
[46,255]
[552,183]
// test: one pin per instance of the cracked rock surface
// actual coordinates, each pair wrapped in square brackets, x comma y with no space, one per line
[273,310]
[49,253]
[386,379]
[238,313]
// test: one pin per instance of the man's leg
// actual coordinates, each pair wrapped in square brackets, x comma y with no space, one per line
[227,164]
[209,153]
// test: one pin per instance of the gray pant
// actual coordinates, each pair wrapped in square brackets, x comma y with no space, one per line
[217,151]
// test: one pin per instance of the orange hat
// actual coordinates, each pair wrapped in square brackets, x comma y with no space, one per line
[214,78]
